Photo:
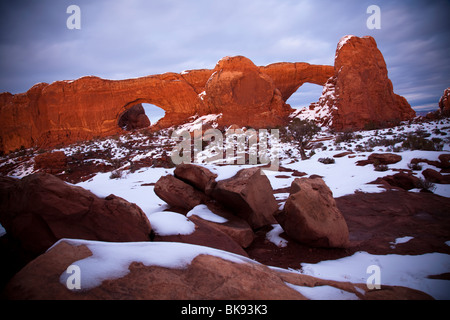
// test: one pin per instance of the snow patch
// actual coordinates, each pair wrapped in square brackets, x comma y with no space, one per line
[400,240]
[396,270]
[203,212]
[111,260]
[274,236]
[2,231]
[197,123]
[167,223]
[323,292]
[343,41]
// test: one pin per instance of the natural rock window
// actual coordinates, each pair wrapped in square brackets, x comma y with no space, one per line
[154,113]
[305,95]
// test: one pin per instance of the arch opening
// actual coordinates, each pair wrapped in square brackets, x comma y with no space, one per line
[153,112]
[305,95]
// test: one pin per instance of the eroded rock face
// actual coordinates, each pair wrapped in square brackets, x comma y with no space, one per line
[65,112]
[198,176]
[40,209]
[178,194]
[250,195]
[245,95]
[444,102]
[311,216]
[360,92]
[134,118]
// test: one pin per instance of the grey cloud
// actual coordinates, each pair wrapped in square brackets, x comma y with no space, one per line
[121,39]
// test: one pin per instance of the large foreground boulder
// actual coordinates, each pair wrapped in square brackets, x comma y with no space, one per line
[222,219]
[178,194]
[311,216]
[168,271]
[197,176]
[40,209]
[185,272]
[250,195]
[436,177]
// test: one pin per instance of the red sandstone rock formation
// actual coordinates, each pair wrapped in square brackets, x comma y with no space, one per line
[244,95]
[134,118]
[206,277]
[288,77]
[40,209]
[68,111]
[360,92]
[51,162]
[249,195]
[444,102]
[311,216]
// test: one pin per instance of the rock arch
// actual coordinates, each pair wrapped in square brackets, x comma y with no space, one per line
[357,91]
[69,111]
[290,76]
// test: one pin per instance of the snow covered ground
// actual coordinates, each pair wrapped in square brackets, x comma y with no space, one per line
[399,270]
[343,177]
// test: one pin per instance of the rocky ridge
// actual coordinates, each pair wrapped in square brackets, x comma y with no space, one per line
[357,92]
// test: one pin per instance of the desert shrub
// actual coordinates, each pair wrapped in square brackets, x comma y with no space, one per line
[116,174]
[326,160]
[415,166]
[381,167]
[424,184]
[302,131]
[344,137]
[422,133]
[371,125]
[414,141]
[116,163]
[436,131]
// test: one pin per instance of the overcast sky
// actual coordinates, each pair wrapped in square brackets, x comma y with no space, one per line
[122,39]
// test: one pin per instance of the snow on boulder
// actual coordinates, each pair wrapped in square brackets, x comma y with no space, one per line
[145,270]
[174,271]
[168,223]
[218,217]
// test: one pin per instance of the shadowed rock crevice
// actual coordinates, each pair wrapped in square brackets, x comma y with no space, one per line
[134,118]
